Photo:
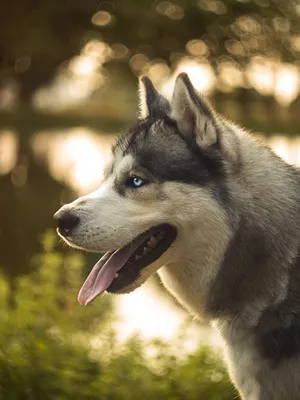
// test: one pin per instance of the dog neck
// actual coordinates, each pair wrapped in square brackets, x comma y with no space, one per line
[190,278]
[241,267]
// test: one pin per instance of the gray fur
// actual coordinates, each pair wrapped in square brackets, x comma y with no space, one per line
[236,206]
[255,298]
[153,104]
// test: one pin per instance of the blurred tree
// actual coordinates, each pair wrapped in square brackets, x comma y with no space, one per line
[236,28]
[36,37]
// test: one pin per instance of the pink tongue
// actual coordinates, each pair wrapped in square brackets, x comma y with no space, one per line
[104,271]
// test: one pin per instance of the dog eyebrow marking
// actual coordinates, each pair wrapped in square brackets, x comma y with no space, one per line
[122,171]
[124,166]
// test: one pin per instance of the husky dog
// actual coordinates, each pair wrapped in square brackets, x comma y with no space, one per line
[193,197]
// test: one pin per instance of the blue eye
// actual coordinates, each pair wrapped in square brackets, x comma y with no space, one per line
[136,182]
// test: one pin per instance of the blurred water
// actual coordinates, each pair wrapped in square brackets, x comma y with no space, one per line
[76,157]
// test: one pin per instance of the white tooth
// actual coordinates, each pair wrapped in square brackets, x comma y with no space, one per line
[146,250]
[152,242]
[116,275]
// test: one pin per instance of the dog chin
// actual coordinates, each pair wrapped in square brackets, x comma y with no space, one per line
[132,287]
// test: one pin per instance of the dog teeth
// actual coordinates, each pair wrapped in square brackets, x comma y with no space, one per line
[116,275]
[152,242]
[146,250]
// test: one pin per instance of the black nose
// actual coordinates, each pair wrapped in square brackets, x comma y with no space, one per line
[66,222]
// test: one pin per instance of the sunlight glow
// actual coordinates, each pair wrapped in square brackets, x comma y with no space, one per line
[83,65]
[88,161]
[230,76]
[84,158]
[76,80]
[151,315]
[102,18]
[201,75]
[269,77]
[77,157]
[261,75]
[286,148]
[8,151]
[287,84]
[141,311]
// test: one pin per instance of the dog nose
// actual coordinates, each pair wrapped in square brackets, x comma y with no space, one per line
[66,222]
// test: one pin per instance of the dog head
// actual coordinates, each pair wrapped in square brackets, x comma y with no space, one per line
[165,179]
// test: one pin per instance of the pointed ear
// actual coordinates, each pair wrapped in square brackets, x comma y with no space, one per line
[193,114]
[152,103]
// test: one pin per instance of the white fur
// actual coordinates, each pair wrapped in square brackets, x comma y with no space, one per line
[261,187]
[109,221]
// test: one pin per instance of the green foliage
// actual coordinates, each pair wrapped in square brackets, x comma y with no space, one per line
[52,348]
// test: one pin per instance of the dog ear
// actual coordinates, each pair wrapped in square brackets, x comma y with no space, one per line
[193,113]
[152,103]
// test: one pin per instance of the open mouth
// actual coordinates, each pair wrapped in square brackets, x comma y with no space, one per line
[118,269]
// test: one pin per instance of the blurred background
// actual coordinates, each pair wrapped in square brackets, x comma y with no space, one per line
[68,81]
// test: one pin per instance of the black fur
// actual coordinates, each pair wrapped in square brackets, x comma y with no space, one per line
[278,332]
[157,105]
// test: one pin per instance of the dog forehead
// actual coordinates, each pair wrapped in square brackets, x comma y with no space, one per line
[151,136]
[156,146]
[123,163]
